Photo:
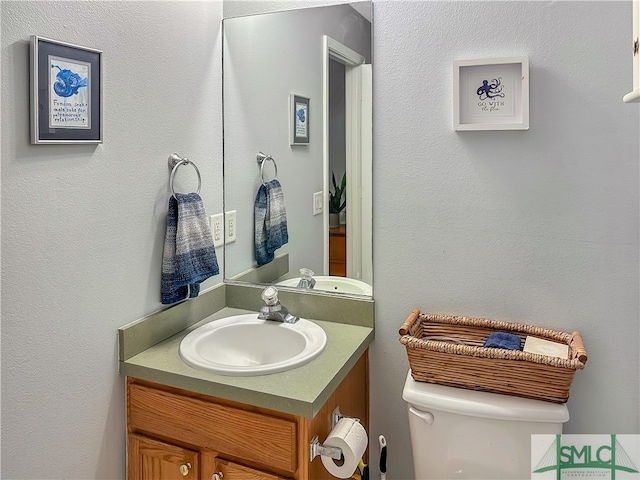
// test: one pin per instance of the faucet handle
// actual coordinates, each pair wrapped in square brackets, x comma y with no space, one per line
[306,273]
[270,296]
[306,279]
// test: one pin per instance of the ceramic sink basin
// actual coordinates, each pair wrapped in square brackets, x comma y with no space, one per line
[334,284]
[242,345]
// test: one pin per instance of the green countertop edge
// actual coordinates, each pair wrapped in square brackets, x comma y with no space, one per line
[141,334]
[149,348]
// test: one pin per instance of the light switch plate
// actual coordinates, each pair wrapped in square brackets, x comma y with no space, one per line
[317,203]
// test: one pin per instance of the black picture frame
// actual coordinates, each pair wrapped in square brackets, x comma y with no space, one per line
[66,93]
[298,127]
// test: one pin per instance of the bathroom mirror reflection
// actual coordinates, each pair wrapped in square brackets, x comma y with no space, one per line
[321,55]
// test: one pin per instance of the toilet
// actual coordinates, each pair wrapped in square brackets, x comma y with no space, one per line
[466,434]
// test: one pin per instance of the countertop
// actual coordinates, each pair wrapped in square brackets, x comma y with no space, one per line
[301,391]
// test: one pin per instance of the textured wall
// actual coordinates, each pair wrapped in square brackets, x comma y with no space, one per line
[83,226]
[539,226]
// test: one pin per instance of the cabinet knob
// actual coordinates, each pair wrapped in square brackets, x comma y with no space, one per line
[184,469]
[217,476]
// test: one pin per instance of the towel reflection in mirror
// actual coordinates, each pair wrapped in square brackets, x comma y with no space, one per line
[270,221]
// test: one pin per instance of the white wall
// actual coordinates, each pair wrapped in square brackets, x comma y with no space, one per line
[538,226]
[83,226]
[238,8]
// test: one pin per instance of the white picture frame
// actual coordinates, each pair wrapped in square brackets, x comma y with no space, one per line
[491,94]
[298,120]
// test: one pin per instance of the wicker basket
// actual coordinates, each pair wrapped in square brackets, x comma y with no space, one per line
[467,364]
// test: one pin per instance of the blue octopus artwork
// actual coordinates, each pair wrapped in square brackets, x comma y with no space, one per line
[490,90]
[300,114]
[67,82]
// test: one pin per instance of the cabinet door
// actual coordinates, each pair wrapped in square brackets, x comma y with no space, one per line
[233,471]
[151,459]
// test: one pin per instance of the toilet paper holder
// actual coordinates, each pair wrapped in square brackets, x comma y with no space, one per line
[316,448]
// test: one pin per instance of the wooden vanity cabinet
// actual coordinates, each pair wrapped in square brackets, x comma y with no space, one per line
[156,459]
[177,434]
[235,471]
[338,251]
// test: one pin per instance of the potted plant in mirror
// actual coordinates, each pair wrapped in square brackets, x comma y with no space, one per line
[336,201]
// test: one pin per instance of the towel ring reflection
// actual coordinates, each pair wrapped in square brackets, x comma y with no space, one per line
[262,159]
[175,161]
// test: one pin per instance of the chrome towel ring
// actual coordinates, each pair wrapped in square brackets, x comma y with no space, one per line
[175,161]
[262,159]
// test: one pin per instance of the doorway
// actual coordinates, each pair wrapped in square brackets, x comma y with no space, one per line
[347,150]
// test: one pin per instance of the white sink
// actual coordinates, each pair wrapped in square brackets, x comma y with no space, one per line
[242,345]
[334,284]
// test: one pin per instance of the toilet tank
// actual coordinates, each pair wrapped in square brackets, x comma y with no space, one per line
[458,433]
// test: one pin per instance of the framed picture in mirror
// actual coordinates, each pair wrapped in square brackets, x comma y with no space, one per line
[299,125]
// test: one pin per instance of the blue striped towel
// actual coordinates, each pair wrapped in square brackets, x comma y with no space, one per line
[189,255]
[270,221]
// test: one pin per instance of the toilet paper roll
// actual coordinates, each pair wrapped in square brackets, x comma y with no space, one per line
[351,437]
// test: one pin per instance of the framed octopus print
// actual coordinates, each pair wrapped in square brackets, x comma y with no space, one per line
[491,94]
[66,93]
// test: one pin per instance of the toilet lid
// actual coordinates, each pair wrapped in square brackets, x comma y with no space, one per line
[429,396]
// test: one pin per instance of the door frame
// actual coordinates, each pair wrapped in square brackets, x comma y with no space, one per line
[334,50]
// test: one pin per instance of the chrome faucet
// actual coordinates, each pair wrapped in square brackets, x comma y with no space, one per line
[306,279]
[273,309]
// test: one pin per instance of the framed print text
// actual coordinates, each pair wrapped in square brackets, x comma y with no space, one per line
[66,93]
[299,124]
[491,94]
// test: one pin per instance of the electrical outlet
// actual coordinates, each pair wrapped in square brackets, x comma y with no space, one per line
[230,226]
[317,203]
[217,233]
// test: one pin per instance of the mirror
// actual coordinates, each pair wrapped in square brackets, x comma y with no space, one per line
[319,61]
